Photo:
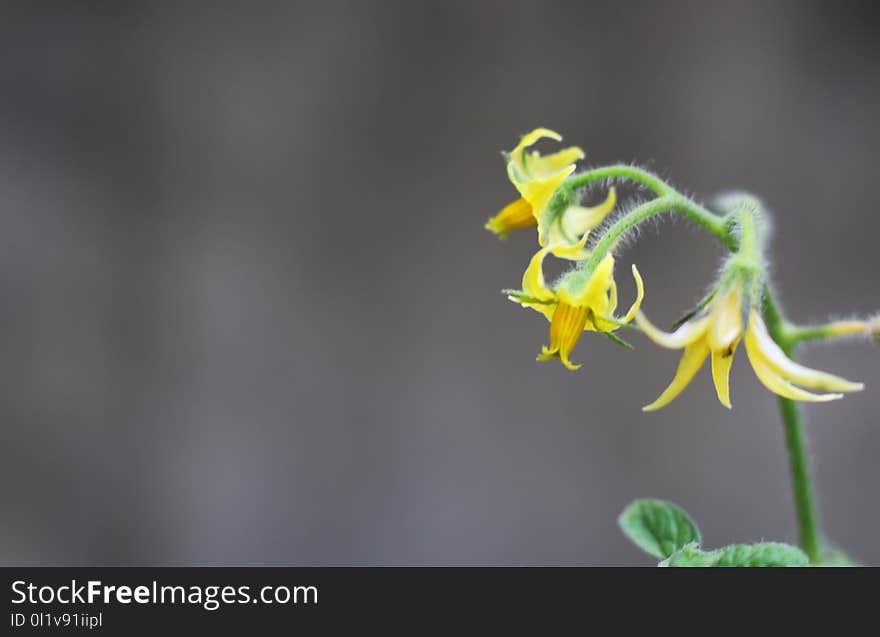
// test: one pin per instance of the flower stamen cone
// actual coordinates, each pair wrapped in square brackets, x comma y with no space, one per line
[566,327]
[514,216]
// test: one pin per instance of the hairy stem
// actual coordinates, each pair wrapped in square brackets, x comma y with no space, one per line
[836,329]
[809,536]
[623,171]
[638,215]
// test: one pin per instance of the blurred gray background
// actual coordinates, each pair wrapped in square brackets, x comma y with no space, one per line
[250,315]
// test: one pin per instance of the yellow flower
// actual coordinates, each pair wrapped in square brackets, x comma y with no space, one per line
[579,303]
[718,332]
[537,179]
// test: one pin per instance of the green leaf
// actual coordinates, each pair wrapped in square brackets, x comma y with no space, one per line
[690,555]
[658,528]
[748,555]
[761,554]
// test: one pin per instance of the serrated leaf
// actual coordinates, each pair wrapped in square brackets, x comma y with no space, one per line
[658,528]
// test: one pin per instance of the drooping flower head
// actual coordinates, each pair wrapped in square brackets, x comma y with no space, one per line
[579,302]
[562,223]
[716,332]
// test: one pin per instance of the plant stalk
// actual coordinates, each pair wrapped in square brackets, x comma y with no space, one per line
[809,536]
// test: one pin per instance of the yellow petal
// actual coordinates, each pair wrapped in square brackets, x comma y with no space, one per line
[539,192]
[612,298]
[721,363]
[778,385]
[599,283]
[774,358]
[532,137]
[726,324]
[688,333]
[538,166]
[533,285]
[640,295]
[577,220]
[523,166]
[601,319]
[533,278]
[563,250]
[691,361]
[577,291]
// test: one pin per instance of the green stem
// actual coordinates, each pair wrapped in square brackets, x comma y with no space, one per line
[623,171]
[798,458]
[671,202]
[836,329]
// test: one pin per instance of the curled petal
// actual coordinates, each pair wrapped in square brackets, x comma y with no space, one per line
[640,295]
[538,166]
[533,278]
[572,252]
[726,326]
[774,358]
[577,220]
[523,167]
[778,385]
[600,281]
[607,322]
[533,137]
[691,361]
[688,333]
[539,192]
[612,298]
[721,363]
[537,295]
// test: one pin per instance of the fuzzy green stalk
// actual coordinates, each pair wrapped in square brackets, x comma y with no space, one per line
[809,536]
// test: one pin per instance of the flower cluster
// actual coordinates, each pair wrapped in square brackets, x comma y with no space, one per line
[585,297]
[579,301]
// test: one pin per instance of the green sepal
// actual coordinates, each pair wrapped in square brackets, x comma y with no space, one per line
[619,323]
[614,337]
[522,297]
[699,307]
